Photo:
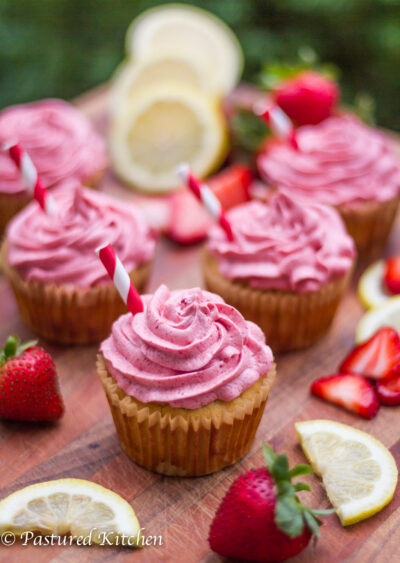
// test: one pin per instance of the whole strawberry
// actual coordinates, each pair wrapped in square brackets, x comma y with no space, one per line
[28,383]
[260,518]
[307,98]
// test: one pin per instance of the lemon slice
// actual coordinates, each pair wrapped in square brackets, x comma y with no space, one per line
[70,506]
[371,289]
[177,29]
[162,127]
[132,77]
[387,314]
[358,472]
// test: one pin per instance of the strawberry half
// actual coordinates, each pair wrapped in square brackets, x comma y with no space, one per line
[28,383]
[260,518]
[189,221]
[308,97]
[388,391]
[352,392]
[378,357]
[392,274]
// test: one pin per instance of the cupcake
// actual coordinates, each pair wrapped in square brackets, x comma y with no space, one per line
[187,381]
[62,289]
[343,163]
[286,269]
[61,142]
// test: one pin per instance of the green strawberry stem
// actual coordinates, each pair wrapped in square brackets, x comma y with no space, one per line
[13,348]
[290,514]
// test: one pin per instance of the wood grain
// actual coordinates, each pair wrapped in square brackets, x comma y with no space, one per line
[84,443]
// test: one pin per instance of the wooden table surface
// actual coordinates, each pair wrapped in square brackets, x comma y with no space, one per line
[84,444]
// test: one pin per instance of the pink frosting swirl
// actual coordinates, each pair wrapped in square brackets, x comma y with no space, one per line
[341,161]
[60,248]
[288,244]
[188,348]
[60,140]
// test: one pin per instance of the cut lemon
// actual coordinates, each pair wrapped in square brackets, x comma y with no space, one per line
[358,472]
[387,314]
[132,77]
[162,127]
[371,289]
[177,29]
[70,506]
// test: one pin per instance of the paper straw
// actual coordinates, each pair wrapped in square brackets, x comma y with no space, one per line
[206,196]
[120,278]
[277,121]
[30,176]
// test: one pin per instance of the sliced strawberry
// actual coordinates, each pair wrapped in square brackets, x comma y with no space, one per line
[352,392]
[190,222]
[231,186]
[392,274]
[389,391]
[378,357]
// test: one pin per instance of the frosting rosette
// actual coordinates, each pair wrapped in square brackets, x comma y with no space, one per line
[61,142]
[60,248]
[287,244]
[341,161]
[187,349]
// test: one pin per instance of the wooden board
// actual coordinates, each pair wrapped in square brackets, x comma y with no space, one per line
[84,443]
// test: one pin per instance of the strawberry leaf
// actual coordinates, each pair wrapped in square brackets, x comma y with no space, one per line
[280,468]
[269,455]
[301,469]
[312,523]
[288,517]
[301,487]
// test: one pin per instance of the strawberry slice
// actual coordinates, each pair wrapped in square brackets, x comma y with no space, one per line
[392,274]
[352,392]
[189,220]
[378,357]
[231,186]
[389,391]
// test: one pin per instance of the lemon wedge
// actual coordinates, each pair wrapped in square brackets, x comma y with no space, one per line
[358,472]
[177,29]
[70,506]
[371,289]
[132,77]
[162,127]
[387,314]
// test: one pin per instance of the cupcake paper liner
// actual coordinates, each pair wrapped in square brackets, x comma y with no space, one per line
[10,205]
[69,315]
[186,442]
[289,320]
[370,224]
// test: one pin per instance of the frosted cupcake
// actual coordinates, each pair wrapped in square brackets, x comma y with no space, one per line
[286,269]
[187,381]
[343,163]
[62,289]
[61,142]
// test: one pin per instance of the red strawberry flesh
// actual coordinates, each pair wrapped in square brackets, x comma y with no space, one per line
[392,274]
[377,358]
[388,391]
[352,392]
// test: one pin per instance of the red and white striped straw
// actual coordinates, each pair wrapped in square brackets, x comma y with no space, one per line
[277,120]
[30,175]
[206,196]
[120,278]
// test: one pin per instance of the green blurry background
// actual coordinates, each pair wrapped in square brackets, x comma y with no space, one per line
[64,47]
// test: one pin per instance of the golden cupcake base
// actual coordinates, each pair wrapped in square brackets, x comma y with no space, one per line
[69,315]
[186,442]
[289,320]
[370,224]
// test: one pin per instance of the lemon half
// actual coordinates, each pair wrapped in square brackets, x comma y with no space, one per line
[162,127]
[387,314]
[69,506]
[358,472]
[178,29]
[371,288]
